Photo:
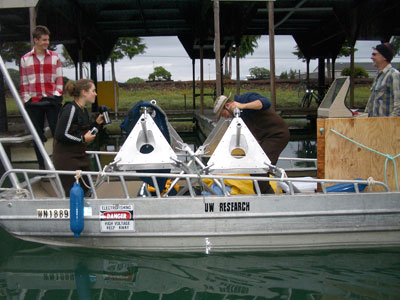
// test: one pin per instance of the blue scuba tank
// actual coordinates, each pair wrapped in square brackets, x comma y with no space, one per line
[76,209]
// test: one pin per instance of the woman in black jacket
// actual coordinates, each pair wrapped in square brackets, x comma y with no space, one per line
[73,131]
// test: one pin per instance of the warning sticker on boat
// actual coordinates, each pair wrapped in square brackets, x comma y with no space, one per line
[116,218]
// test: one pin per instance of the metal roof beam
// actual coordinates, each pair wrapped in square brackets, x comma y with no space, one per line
[147,32]
[18,3]
[291,12]
[156,23]
[136,12]
[300,9]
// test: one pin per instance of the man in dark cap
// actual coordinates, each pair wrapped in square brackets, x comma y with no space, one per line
[385,92]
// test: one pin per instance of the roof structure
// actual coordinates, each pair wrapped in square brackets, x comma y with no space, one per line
[318,26]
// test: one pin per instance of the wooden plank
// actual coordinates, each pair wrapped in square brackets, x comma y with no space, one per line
[343,159]
[320,150]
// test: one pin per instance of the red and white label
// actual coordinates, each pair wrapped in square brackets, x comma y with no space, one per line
[117,218]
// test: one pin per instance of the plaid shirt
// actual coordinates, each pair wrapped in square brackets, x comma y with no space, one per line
[40,78]
[385,94]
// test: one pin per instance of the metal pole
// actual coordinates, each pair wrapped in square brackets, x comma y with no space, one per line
[144,129]
[352,75]
[272,50]
[32,22]
[238,68]
[3,105]
[217,49]
[115,85]
[201,81]
[193,84]
[25,115]
[238,132]
[80,55]
[8,167]
[93,76]
[321,75]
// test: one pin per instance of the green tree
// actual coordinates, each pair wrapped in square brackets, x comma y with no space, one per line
[248,43]
[13,51]
[299,53]
[126,46]
[259,73]
[359,72]
[14,75]
[69,63]
[396,44]
[344,51]
[135,80]
[160,74]
[292,74]
[284,75]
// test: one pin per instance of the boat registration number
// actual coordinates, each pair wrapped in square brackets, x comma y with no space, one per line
[57,213]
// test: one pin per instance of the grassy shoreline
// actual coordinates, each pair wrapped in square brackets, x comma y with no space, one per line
[173,98]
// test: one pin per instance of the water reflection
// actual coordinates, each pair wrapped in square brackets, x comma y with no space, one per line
[45,273]
[299,149]
[306,149]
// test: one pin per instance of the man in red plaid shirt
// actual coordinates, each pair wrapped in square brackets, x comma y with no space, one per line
[41,85]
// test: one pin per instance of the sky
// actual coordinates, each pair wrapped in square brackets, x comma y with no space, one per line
[169,53]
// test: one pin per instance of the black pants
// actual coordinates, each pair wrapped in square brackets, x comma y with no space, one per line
[273,147]
[39,113]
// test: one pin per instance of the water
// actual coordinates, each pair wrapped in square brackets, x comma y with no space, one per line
[30,271]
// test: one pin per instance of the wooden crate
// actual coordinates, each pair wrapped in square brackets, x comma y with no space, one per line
[339,158]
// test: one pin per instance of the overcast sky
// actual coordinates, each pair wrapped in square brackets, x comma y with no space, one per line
[170,54]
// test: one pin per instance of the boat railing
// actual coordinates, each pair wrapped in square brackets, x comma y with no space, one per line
[35,136]
[291,160]
[95,179]
[295,160]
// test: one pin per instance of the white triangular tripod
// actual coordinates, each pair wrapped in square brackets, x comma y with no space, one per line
[145,148]
[238,152]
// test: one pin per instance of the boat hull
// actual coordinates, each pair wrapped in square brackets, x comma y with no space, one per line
[205,224]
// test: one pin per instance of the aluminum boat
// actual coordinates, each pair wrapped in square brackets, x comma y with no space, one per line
[135,203]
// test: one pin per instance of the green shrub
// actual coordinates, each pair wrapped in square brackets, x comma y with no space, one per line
[259,73]
[160,74]
[359,72]
[135,80]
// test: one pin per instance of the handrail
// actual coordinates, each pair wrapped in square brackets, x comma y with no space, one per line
[291,160]
[7,166]
[28,122]
[25,115]
[188,177]
[16,139]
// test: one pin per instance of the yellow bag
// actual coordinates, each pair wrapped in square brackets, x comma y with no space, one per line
[152,189]
[242,187]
